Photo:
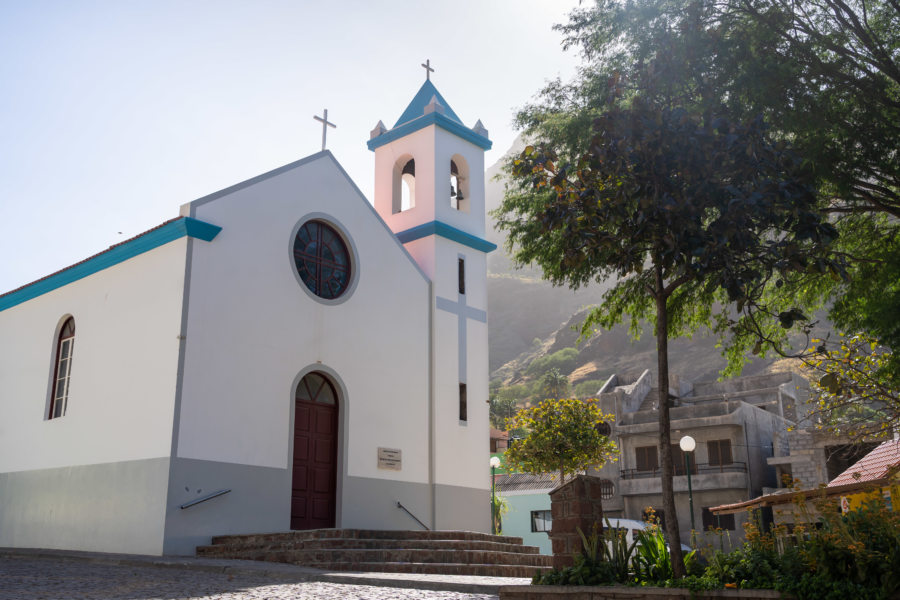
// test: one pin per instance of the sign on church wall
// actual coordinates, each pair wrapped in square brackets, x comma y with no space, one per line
[389,458]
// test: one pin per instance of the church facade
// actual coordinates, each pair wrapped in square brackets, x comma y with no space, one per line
[283,355]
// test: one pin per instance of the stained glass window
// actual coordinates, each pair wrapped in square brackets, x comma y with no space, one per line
[322,260]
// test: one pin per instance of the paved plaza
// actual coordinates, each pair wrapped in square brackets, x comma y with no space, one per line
[24,577]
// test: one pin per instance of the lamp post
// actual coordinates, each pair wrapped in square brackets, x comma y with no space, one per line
[495,462]
[687,445]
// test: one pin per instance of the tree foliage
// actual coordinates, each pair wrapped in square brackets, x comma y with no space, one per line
[562,438]
[553,384]
[825,75]
[685,209]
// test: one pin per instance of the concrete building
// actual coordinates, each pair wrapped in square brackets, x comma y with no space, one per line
[737,425]
[282,355]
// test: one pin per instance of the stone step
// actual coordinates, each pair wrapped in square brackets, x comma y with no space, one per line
[377,534]
[360,543]
[439,569]
[351,556]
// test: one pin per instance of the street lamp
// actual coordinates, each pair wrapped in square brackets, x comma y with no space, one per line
[495,462]
[687,445]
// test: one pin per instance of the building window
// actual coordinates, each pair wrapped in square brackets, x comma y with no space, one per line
[322,259]
[603,429]
[404,194]
[62,370]
[463,410]
[607,489]
[719,452]
[646,458]
[461,264]
[541,520]
[678,462]
[711,521]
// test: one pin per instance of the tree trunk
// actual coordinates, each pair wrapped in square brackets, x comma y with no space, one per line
[665,435]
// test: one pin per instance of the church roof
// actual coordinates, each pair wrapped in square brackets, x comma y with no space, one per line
[157,236]
[423,97]
[428,107]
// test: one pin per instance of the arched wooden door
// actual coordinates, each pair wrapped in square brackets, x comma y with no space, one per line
[314,482]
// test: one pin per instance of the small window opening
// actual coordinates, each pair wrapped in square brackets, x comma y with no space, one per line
[463,409]
[62,370]
[408,186]
[541,520]
[456,194]
[462,275]
[459,187]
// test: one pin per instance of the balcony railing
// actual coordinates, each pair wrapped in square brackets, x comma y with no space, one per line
[698,469]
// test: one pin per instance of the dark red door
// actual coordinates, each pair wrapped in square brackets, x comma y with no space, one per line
[315,454]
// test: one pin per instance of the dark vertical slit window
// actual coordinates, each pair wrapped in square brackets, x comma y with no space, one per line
[462,275]
[62,369]
[463,410]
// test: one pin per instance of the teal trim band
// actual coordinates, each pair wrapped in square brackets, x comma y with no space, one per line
[424,121]
[165,233]
[448,232]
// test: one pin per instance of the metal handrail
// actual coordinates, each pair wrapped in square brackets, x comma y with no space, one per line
[203,499]
[404,509]
[696,469]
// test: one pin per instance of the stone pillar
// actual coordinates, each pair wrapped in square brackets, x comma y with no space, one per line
[575,504]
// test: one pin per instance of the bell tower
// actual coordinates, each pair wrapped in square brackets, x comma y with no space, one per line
[429,189]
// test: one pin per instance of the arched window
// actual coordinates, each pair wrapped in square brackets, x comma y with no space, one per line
[404,184]
[62,370]
[603,428]
[459,183]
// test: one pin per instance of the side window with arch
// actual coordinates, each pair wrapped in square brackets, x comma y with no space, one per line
[62,369]
[404,194]
[459,183]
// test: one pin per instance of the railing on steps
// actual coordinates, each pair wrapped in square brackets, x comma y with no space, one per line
[204,499]
[404,509]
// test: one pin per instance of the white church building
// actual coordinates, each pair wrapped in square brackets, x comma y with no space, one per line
[282,355]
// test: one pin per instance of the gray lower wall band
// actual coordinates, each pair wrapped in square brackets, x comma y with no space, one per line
[108,507]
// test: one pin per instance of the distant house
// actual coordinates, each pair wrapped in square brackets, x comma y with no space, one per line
[737,425]
[528,498]
[876,474]
[499,440]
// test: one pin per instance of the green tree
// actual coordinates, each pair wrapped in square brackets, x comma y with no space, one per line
[685,209]
[554,384]
[562,437]
[563,360]
[503,407]
[826,76]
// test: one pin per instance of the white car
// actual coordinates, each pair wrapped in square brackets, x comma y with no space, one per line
[631,527]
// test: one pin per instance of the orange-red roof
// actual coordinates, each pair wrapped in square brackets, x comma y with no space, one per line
[877,464]
[496,434]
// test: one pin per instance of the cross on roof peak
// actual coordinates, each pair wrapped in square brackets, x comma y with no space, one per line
[428,70]
[325,125]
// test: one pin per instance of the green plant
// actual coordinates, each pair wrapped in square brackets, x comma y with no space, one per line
[618,552]
[653,561]
[590,566]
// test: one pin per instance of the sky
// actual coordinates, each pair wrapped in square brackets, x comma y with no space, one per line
[114,113]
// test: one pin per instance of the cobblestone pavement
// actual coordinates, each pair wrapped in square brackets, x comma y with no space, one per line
[27,578]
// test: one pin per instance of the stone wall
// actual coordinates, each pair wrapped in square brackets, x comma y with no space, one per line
[575,505]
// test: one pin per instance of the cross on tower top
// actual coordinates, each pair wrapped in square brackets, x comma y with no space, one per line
[428,69]
[325,125]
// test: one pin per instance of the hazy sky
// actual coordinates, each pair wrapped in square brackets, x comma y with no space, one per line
[114,113]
